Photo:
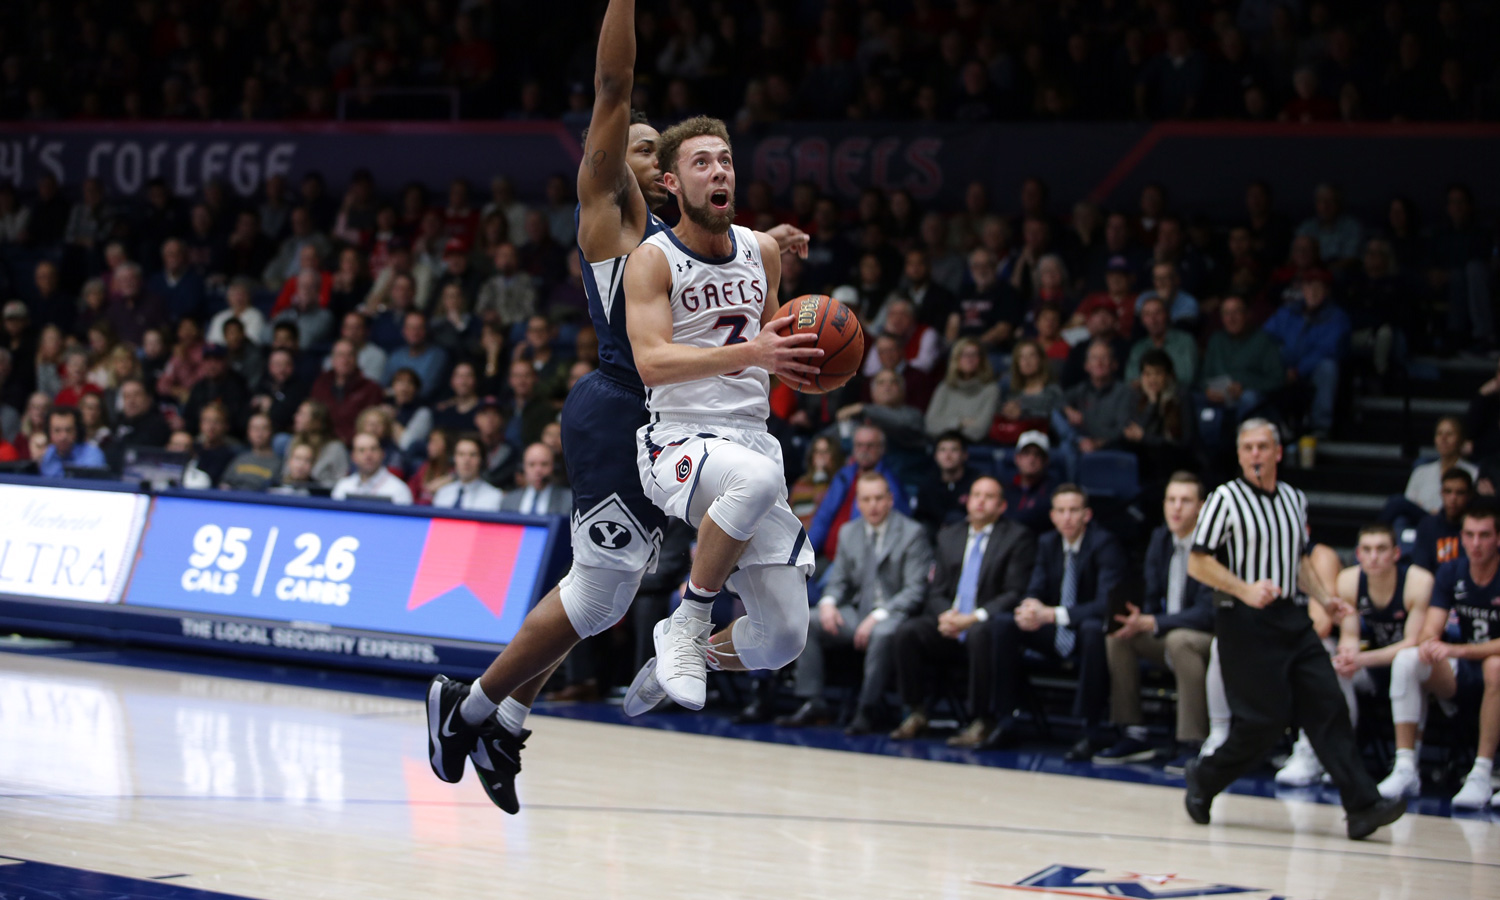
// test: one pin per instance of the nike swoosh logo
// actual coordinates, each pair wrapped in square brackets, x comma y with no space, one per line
[446,731]
[501,750]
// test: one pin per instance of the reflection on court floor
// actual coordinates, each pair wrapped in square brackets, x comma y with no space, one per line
[128,782]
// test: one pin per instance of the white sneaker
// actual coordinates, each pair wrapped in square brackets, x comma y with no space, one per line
[1495,800]
[682,658]
[1475,794]
[1214,741]
[645,693]
[1302,769]
[1404,781]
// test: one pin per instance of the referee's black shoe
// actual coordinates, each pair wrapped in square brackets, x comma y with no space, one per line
[1197,804]
[1362,824]
[497,762]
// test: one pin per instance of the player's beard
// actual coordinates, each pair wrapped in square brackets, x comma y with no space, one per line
[707,218]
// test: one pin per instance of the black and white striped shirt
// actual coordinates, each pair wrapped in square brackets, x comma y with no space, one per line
[1263,534]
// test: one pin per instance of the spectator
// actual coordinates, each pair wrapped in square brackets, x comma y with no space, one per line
[539,349]
[1383,309]
[1172,627]
[311,427]
[411,421]
[824,458]
[1102,326]
[377,421]
[1048,325]
[1314,338]
[247,252]
[1439,535]
[538,495]
[509,296]
[542,256]
[837,506]
[296,473]
[1172,85]
[888,411]
[185,366]
[34,423]
[943,494]
[464,489]
[920,346]
[457,412]
[213,451]
[49,213]
[370,359]
[1097,410]
[876,584]
[500,458]
[437,471]
[243,357]
[349,285]
[428,361]
[1339,235]
[1030,399]
[92,420]
[529,412]
[1166,286]
[287,263]
[50,353]
[933,302]
[51,305]
[131,310]
[279,392]
[255,468]
[179,289]
[370,478]
[1461,249]
[968,397]
[453,329]
[1062,618]
[1028,496]
[12,397]
[344,391]
[1159,426]
[1241,364]
[1179,346]
[988,309]
[64,450]
[217,383]
[1118,293]
[15,219]
[313,320]
[74,382]
[239,298]
[981,569]
[1424,488]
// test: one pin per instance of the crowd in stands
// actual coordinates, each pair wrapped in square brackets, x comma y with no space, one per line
[756,63]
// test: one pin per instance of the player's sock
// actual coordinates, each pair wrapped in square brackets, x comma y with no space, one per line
[477,706]
[1137,733]
[1406,759]
[697,602]
[512,715]
[1483,767]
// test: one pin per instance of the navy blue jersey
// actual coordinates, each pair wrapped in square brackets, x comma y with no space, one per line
[1476,606]
[604,283]
[1387,626]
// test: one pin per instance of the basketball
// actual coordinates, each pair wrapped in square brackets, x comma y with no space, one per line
[840,337]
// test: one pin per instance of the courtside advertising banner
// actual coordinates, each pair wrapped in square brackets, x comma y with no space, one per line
[62,544]
[452,579]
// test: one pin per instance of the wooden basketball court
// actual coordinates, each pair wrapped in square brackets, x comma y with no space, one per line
[127,782]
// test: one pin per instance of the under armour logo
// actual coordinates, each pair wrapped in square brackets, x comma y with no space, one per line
[687,262]
[609,535]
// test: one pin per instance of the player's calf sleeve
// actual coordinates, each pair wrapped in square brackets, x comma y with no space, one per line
[773,630]
[594,598]
[1407,674]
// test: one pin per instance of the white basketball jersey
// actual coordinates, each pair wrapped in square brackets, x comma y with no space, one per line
[715,302]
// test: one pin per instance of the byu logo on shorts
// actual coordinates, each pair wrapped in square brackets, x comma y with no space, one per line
[684,469]
[609,535]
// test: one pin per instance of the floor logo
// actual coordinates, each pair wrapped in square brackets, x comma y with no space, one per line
[1078,881]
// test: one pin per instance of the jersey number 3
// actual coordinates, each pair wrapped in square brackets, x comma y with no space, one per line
[736,326]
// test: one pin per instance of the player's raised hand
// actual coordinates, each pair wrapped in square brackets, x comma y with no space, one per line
[786,355]
[790,239]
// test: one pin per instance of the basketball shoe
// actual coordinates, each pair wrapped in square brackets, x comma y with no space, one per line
[682,658]
[497,762]
[1303,769]
[449,737]
[645,693]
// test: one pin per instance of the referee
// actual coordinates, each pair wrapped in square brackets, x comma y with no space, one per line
[1276,671]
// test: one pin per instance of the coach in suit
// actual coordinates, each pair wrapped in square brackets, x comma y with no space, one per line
[540,497]
[877,581]
[981,569]
[1171,626]
[1062,618]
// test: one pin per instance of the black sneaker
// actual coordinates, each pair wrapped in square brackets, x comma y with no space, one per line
[1125,750]
[497,762]
[449,737]
[1197,804]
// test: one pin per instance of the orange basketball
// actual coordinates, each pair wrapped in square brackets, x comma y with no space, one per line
[840,337]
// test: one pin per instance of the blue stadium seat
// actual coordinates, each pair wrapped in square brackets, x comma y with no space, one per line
[1110,473]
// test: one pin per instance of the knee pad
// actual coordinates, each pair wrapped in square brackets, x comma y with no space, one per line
[1407,674]
[594,598]
[773,630]
[744,486]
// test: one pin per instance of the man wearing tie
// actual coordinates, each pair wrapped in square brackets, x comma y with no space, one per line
[468,491]
[540,497]
[1062,618]
[875,584]
[981,570]
[1172,627]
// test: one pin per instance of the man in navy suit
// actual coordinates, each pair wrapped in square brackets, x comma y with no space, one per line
[1172,626]
[1062,618]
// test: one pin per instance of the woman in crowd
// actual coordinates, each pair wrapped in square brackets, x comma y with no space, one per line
[1048,325]
[1050,284]
[92,306]
[185,366]
[49,360]
[411,421]
[1030,398]
[1158,429]
[154,356]
[95,424]
[350,285]
[330,458]
[494,362]
[968,397]
[436,471]
[823,459]
[296,473]
[33,424]
[377,421]
[75,378]
[102,343]
[122,365]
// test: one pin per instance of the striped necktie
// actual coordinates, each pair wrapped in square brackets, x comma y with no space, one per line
[1065,638]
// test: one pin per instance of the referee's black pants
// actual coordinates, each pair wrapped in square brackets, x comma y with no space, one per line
[1277,672]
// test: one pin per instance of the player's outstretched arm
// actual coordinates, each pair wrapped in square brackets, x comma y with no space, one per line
[648,286]
[613,213]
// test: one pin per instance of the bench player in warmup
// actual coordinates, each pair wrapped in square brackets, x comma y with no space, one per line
[703,324]
[616,531]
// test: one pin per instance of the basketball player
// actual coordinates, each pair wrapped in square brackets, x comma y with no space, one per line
[702,301]
[616,531]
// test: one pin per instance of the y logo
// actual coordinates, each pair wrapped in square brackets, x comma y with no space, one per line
[609,535]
